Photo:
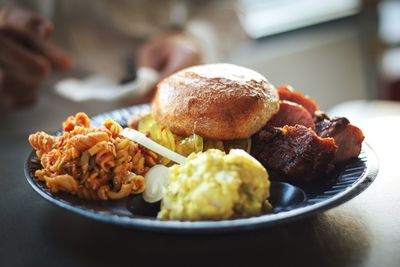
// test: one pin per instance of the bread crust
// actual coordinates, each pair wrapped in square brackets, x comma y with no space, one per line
[216,101]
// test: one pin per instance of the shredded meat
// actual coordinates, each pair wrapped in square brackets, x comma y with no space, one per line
[294,152]
[347,137]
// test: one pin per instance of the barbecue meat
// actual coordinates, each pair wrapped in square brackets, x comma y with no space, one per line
[347,137]
[327,127]
[286,92]
[294,152]
[291,113]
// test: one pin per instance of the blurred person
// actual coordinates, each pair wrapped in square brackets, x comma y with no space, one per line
[109,37]
[26,55]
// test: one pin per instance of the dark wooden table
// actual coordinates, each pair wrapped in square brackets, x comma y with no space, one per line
[362,232]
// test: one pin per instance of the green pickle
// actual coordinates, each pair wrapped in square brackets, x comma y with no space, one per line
[185,145]
[237,144]
[164,136]
[159,134]
[209,144]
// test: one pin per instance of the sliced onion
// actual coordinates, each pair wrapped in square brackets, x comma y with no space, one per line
[155,180]
[248,149]
[140,138]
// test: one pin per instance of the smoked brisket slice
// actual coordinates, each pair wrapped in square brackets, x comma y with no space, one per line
[347,137]
[291,113]
[286,92]
[294,152]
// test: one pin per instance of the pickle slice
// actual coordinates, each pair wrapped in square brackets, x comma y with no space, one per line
[244,144]
[188,145]
[163,136]
[209,144]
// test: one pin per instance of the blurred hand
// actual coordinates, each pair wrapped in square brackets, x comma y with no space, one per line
[169,53]
[26,56]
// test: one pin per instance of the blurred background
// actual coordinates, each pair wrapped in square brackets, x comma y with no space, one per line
[332,50]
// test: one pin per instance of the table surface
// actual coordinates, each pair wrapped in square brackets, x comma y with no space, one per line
[362,232]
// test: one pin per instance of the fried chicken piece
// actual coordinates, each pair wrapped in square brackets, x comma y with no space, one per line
[347,137]
[294,152]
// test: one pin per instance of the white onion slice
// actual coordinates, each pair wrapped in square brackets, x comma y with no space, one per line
[155,180]
[248,149]
[140,138]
